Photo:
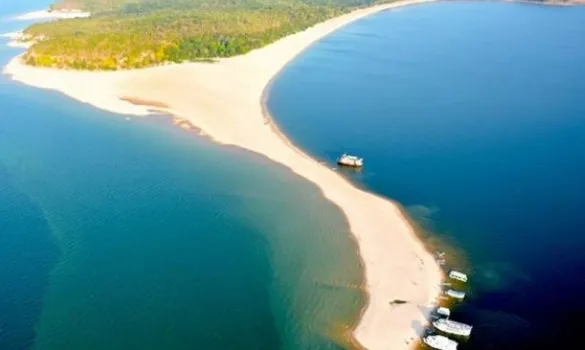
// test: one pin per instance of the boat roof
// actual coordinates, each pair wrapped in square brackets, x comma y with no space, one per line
[454,324]
[444,311]
[349,156]
[456,292]
[454,273]
[442,339]
[443,342]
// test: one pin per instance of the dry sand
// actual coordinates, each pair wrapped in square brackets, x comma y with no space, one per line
[224,101]
[15,40]
[44,14]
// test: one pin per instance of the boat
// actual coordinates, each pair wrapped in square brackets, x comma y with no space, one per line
[452,327]
[440,258]
[456,275]
[440,342]
[349,160]
[455,294]
[443,311]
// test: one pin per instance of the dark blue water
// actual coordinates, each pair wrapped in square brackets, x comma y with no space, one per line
[472,115]
[132,233]
[27,255]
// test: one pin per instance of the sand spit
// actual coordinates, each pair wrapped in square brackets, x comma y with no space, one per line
[18,44]
[224,101]
[15,40]
[12,35]
[45,14]
[139,102]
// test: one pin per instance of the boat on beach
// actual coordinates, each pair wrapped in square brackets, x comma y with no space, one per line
[440,342]
[453,327]
[349,160]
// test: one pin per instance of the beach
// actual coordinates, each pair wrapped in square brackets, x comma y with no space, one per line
[225,101]
[15,40]
[44,14]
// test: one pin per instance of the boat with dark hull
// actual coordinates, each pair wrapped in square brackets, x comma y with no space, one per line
[351,161]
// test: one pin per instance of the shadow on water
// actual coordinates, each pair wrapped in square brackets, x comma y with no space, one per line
[28,252]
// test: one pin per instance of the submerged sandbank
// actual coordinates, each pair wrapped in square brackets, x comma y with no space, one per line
[224,101]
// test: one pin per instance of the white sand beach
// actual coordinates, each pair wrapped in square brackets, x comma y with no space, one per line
[44,14]
[12,35]
[224,100]
[19,44]
[15,40]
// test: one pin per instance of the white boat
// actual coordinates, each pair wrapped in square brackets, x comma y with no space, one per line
[443,311]
[349,160]
[452,327]
[440,342]
[455,294]
[456,275]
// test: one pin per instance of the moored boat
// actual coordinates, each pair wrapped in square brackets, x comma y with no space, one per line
[453,327]
[443,311]
[456,275]
[349,160]
[440,342]
[456,294]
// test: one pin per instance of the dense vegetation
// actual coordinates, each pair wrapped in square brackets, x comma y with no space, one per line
[139,33]
[133,6]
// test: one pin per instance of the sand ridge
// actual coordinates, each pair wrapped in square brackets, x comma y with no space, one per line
[224,100]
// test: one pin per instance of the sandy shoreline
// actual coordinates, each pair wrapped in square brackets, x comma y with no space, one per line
[225,100]
[44,14]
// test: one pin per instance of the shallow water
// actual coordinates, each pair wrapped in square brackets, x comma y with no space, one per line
[134,234]
[472,116]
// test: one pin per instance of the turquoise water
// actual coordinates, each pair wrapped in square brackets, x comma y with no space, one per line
[135,234]
[471,115]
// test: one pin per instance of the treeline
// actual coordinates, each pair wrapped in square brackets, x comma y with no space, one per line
[142,6]
[125,34]
[135,41]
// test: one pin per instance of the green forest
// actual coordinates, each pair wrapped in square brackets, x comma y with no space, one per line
[133,6]
[124,34]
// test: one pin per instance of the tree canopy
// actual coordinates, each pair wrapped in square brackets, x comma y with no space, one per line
[133,6]
[124,34]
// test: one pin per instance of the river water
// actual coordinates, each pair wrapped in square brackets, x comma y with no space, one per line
[121,233]
[470,114]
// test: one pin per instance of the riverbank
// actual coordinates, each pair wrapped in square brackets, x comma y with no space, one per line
[224,101]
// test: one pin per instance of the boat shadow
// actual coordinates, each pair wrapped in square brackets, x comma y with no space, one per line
[349,169]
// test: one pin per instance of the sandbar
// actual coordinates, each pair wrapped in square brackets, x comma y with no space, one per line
[44,14]
[225,101]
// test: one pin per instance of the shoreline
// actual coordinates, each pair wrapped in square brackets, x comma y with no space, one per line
[226,100]
[15,40]
[46,14]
